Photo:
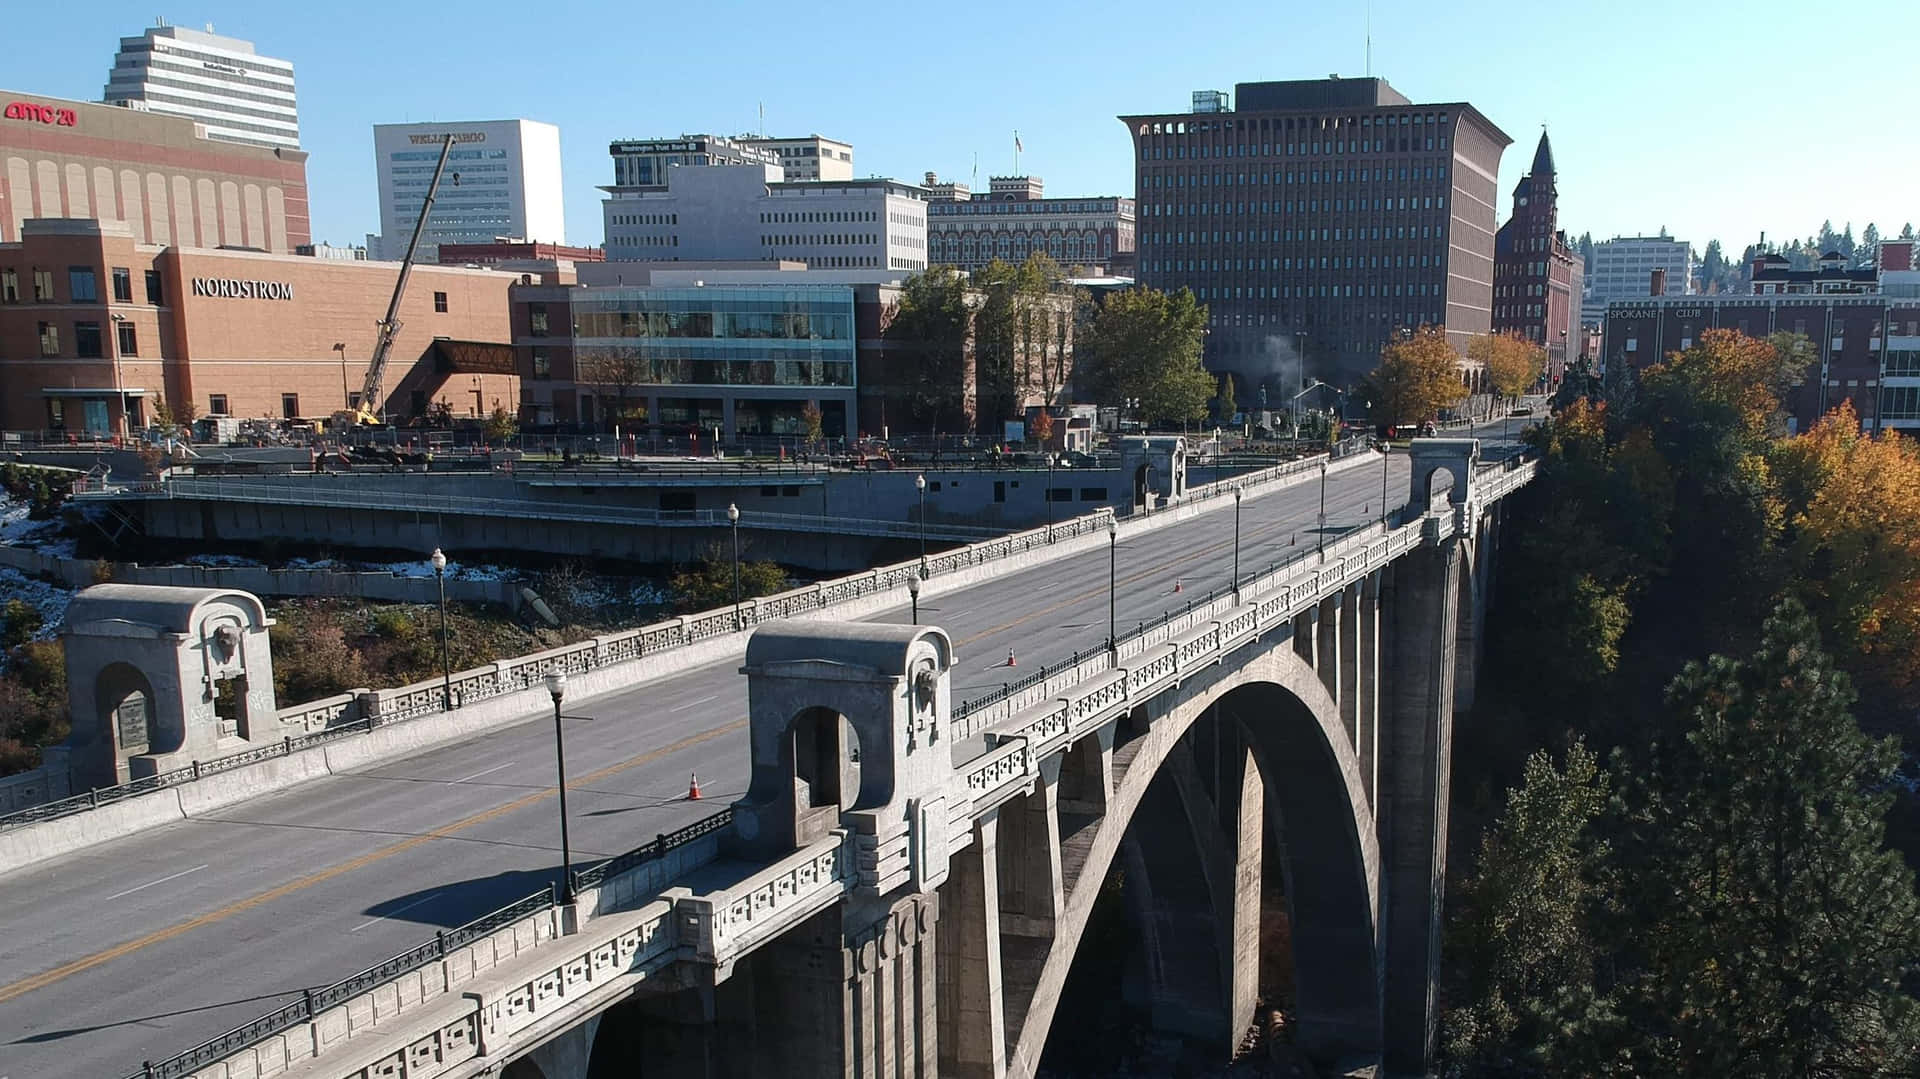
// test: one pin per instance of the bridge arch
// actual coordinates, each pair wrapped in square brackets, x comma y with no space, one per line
[1312,775]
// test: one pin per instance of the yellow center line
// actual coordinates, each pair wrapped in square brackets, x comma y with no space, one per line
[119,951]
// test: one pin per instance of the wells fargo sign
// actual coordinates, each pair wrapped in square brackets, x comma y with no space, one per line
[46,114]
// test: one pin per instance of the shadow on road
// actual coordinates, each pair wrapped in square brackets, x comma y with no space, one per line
[58,1035]
[454,904]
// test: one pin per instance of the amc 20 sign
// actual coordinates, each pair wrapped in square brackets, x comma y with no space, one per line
[46,114]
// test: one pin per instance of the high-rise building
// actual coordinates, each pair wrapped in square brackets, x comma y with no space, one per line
[809,157]
[502,180]
[1316,218]
[1015,219]
[1623,270]
[1536,276]
[219,82]
[161,175]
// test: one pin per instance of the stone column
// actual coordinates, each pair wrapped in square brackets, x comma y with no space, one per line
[1086,776]
[1327,641]
[891,1029]
[1248,837]
[1306,632]
[972,1013]
[1032,894]
[1415,777]
[1349,696]
[1366,744]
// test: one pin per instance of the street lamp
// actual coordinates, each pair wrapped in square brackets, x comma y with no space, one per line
[1386,453]
[1323,507]
[913,590]
[920,482]
[557,687]
[1237,492]
[1312,385]
[439,560]
[1113,557]
[733,518]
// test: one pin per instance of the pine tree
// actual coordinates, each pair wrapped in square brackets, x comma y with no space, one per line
[1775,925]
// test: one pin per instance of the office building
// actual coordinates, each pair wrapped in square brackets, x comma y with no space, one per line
[502,179]
[161,175]
[1317,218]
[810,157]
[1864,324]
[1536,276]
[218,82]
[1623,265]
[747,212]
[640,164]
[513,251]
[1015,218]
[98,327]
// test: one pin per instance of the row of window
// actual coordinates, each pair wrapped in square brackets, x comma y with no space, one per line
[1900,403]
[1314,292]
[829,238]
[87,340]
[818,217]
[1178,178]
[1290,206]
[1398,145]
[986,207]
[1149,238]
[653,219]
[82,285]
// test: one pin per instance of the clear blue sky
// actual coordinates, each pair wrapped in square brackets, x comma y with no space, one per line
[1710,117]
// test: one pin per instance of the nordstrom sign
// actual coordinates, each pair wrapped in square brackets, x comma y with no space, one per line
[233,288]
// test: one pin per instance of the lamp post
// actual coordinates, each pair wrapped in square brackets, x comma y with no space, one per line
[920,482]
[1386,451]
[557,687]
[439,560]
[1323,507]
[1048,497]
[346,398]
[913,590]
[733,519]
[1113,558]
[1312,385]
[1237,492]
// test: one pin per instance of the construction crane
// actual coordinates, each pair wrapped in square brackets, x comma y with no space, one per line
[368,410]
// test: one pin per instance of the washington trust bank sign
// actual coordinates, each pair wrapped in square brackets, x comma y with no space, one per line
[234,288]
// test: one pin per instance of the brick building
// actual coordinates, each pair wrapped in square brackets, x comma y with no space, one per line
[1014,219]
[1865,326]
[1315,218]
[90,317]
[1536,276]
[159,174]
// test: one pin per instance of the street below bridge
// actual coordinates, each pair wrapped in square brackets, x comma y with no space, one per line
[139,948]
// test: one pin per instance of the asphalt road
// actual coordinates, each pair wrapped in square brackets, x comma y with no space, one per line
[141,948]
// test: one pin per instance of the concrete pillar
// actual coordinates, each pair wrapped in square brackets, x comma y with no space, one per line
[1415,777]
[1032,894]
[1086,775]
[972,1012]
[1243,978]
[726,419]
[801,1000]
[890,1024]
[1306,632]
[568,1056]
[1367,711]
[1327,641]
[1349,697]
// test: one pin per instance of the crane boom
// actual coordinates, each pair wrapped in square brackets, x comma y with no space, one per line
[390,326]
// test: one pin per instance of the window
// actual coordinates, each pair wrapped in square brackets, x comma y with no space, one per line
[440,302]
[154,295]
[49,339]
[122,284]
[1093,494]
[81,286]
[537,319]
[9,285]
[290,406]
[542,364]
[86,340]
[217,404]
[129,341]
[43,285]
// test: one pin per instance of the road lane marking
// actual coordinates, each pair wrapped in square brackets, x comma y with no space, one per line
[487,772]
[695,704]
[430,896]
[212,917]
[151,883]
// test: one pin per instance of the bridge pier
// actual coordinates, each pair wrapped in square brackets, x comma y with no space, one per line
[972,1019]
[1416,773]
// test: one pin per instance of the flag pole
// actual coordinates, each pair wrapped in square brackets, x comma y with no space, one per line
[1016,151]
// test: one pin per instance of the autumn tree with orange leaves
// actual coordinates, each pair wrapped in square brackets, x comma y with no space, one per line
[1853,527]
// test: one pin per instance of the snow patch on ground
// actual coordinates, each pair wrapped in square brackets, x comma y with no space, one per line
[18,531]
[50,600]
[456,571]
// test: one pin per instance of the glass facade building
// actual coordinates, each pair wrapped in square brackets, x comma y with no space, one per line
[747,359]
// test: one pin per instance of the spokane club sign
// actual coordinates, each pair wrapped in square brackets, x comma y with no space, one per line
[233,288]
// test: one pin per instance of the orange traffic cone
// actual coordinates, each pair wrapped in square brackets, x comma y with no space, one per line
[1010,660]
[1177,584]
[693,787]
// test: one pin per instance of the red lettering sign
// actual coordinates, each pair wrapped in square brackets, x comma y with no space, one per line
[46,114]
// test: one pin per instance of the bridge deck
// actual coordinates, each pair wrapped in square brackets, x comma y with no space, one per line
[136,949]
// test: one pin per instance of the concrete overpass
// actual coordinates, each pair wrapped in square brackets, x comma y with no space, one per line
[198,911]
